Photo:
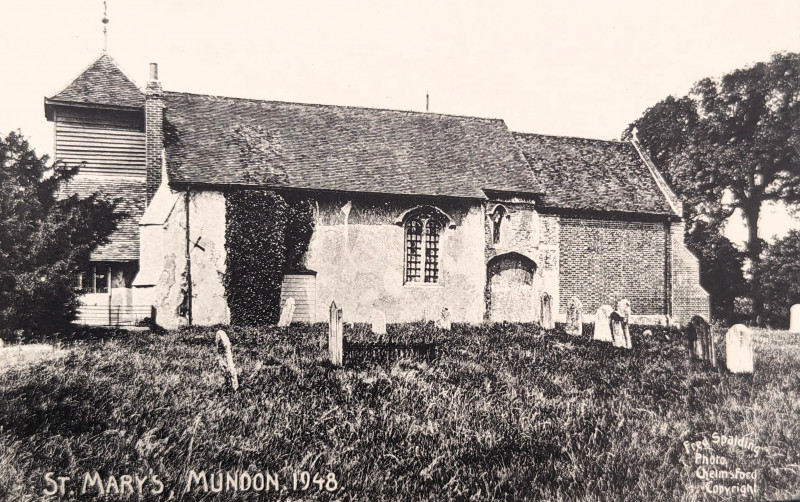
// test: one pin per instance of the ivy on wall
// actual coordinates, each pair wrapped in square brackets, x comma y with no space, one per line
[299,228]
[265,236]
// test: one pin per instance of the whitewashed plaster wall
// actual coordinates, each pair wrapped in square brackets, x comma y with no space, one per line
[359,260]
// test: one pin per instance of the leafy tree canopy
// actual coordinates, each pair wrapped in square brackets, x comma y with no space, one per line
[731,143]
[44,240]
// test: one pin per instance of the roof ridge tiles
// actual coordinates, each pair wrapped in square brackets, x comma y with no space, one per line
[563,136]
[349,107]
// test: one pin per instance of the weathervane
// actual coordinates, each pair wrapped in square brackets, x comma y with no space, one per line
[105,23]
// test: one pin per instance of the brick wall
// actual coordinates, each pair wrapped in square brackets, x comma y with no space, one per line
[154,131]
[602,261]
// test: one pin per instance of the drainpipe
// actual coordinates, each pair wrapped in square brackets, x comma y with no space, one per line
[186,199]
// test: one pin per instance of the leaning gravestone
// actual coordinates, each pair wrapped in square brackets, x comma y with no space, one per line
[225,360]
[287,313]
[701,343]
[546,312]
[574,317]
[794,319]
[602,327]
[443,322]
[378,321]
[619,325]
[739,349]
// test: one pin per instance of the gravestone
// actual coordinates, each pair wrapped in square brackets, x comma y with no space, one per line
[574,317]
[647,333]
[443,322]
[794,319]
[701,343]
[225,360]
[335,340]
[619,325]
[546,312]
[739,349]
[287,312]
[602,326]
[378,321]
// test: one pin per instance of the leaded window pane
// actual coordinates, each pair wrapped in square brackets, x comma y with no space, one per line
[432,251]
[413,250]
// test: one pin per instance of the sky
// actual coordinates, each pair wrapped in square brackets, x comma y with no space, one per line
[569,68]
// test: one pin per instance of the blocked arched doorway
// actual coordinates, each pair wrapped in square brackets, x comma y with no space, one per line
[511,291]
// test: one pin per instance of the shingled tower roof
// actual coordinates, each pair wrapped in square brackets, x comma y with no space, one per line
[103,84]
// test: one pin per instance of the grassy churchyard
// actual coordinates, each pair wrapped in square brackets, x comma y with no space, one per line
[505,413]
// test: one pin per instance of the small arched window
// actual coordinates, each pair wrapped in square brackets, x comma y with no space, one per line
[422,235]
[497,223]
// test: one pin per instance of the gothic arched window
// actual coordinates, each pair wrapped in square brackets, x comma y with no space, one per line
[422,237]
[497,224]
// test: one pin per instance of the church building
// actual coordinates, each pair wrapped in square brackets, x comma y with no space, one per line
[414,212]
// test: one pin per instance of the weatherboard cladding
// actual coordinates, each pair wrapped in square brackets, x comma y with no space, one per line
[231,141]
[102,83]
[123,244]
[594,175]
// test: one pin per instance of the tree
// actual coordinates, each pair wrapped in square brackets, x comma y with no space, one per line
[779,275]
[731,143]
[44,240]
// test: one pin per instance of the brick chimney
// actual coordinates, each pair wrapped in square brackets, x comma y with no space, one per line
[154,130]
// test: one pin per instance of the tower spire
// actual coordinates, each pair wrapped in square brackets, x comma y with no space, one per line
[105,24]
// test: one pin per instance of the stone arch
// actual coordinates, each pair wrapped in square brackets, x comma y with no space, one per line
[510,288]
[446,220]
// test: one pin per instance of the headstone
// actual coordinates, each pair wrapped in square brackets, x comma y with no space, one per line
[647,333]
[701,344]
[225,360]
[602,326]
[287,312]
[378,321]
[443,322]
[574,317]
[794,319]
[739,349]
[619,325]
[546,312]
[335,335]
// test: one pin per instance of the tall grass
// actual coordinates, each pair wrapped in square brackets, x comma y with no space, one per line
[505,413]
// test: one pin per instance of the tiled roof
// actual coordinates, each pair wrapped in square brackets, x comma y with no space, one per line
[123,243]
[216,140]
[103,83]
[588,174]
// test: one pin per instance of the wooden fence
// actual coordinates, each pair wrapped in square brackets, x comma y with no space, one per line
[115,315]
